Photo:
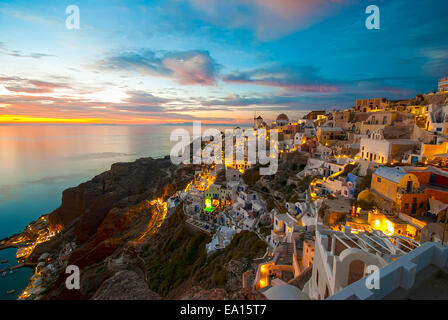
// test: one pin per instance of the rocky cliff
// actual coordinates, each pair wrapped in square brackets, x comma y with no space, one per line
[124,185]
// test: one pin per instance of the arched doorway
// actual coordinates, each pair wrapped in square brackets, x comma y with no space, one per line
[355,271]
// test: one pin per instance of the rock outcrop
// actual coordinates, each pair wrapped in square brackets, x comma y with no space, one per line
[125,285]
[124,185]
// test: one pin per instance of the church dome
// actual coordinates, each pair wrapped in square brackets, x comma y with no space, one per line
[282,117]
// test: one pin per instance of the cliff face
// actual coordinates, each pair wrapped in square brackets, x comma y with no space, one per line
[124,185]
[125,285]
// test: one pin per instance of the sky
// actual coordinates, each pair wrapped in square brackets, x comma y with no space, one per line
[218,61]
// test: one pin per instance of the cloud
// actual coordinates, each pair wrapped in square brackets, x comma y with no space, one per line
[193,67]
[140,109]
[188,68]
[437,61]
[143,97]
[139,106]
[4,50]
[20,85]
[268,18]
[27,17]
[299,79]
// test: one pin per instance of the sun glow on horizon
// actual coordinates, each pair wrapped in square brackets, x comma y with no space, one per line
[21,119]
[14,119]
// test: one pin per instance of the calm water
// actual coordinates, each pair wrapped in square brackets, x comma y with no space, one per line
[38,162]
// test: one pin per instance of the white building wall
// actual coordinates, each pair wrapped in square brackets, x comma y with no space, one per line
[331,272]
[380,148]
[400,274]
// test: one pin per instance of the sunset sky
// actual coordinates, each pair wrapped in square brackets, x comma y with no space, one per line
[137,62]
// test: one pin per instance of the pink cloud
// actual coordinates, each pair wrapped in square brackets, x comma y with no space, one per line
[270,19]
[17,84]
[191,68]
[194,67]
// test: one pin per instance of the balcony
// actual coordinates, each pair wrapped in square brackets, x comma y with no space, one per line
[402,191]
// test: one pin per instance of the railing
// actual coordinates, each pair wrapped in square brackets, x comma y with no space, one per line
[412,191]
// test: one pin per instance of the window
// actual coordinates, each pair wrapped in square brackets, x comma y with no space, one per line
[378,179]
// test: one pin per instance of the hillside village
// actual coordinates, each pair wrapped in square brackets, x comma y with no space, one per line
[364,186]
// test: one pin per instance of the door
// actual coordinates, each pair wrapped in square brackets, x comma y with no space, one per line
[409,187]
[433,179]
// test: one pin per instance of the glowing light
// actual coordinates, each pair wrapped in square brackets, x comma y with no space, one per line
[389,227]
[28,119]
[156,219]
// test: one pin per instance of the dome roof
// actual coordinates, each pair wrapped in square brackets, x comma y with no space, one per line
[282,117]
[285,292]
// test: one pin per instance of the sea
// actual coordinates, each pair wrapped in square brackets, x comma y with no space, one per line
[38,162]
